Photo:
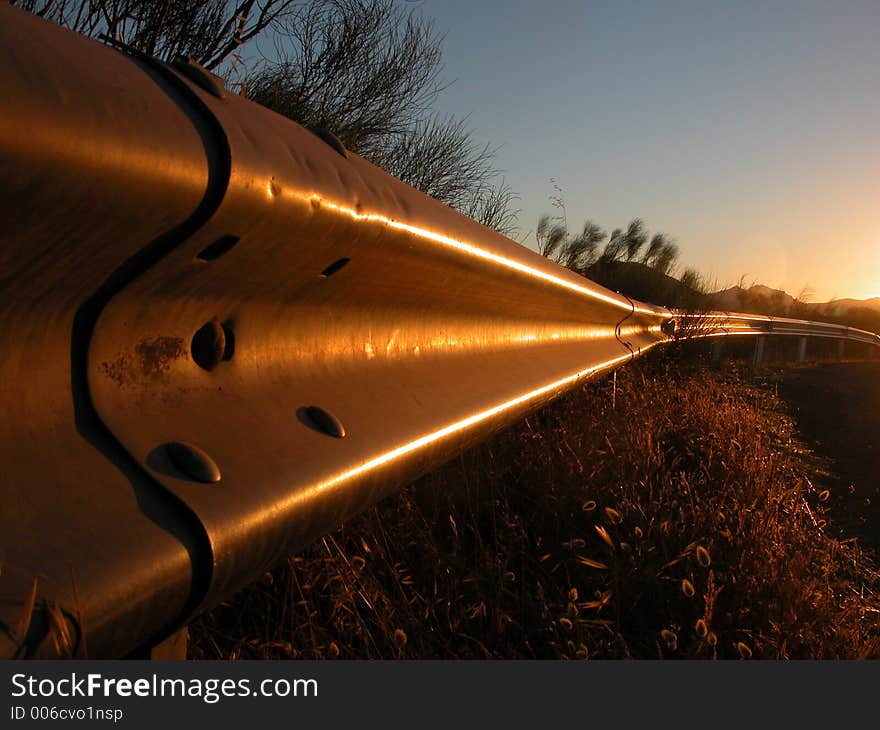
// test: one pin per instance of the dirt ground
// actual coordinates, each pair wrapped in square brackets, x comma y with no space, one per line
[837,410]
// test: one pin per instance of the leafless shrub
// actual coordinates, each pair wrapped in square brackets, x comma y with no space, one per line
[210,31]
[369,71]
[635,238]
[552,238]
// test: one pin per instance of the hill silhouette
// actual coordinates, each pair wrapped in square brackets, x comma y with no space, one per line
[760,299]
[636,280]
[736,297]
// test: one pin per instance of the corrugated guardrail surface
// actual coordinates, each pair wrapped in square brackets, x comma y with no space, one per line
[719,324]
[224,334]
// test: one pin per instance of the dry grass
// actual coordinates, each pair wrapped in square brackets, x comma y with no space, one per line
[686,522]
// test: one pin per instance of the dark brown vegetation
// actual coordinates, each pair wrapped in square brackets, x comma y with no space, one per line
[679,516]
[836,406]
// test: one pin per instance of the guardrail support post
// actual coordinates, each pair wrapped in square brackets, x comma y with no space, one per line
[759,349]
[841,349]
[716,351]
[802,349]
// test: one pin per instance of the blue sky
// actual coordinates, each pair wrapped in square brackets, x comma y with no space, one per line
[747,131]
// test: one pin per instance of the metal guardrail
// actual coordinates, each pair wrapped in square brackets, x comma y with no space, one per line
[718,324]
[224,334]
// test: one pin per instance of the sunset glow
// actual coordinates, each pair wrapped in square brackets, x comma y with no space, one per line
[749,136]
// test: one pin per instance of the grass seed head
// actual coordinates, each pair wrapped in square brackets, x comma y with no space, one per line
[592,563]
[613,516]
[603,533]
[670,638]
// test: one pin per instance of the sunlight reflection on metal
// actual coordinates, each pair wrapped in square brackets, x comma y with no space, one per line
[450,430]
[316,201]
[487,340]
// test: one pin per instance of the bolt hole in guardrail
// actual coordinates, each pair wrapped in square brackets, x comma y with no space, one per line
[218,248]
[193,462]
[334,267]
[322,421]
[212,343]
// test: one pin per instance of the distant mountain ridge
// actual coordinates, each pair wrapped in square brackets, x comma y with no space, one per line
[736,297]
[847,304]
[687,293]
